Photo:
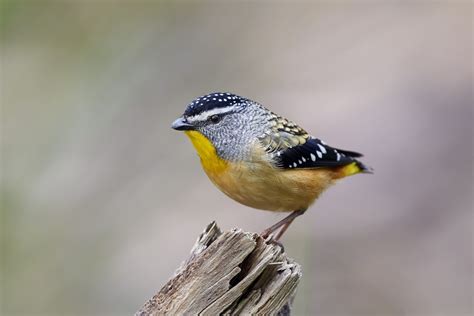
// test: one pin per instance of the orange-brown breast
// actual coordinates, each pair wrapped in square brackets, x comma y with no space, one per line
[259,184]
[262,186]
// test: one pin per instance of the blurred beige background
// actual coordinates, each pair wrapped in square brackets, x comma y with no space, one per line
[101,200]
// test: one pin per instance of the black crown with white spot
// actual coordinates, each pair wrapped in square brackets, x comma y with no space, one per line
[213,101]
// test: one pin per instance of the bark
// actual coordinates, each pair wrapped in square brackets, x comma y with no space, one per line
[230,273]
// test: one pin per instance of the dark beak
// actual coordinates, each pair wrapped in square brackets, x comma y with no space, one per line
[182,125]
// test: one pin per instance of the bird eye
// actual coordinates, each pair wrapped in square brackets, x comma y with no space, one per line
[214,119]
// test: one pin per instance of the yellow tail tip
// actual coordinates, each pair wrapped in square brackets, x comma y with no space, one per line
[355,168]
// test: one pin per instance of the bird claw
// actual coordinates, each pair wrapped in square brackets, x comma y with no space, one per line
[269,239]
[266,234]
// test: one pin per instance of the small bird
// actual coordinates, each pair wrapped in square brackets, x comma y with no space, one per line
[261,159]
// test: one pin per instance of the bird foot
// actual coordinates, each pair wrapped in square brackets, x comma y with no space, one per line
[270,239]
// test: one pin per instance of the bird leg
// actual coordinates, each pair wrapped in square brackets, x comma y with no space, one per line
[283,229]
[284,223]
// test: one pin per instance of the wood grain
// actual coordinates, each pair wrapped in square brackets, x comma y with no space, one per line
[230,273]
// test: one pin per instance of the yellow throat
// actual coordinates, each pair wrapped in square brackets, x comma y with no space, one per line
[210,161]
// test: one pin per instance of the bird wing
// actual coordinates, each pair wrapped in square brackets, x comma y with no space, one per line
[314,153]
[290,147]
[282,134]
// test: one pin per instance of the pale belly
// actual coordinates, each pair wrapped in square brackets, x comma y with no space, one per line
[263,187]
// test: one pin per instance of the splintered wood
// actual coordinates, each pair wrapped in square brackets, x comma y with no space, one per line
[230,273]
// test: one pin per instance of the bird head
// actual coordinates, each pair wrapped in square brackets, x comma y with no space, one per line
[232,124]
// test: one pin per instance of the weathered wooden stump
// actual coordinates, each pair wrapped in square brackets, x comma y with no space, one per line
[229,273]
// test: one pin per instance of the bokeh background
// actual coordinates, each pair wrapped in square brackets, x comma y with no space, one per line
[101,200]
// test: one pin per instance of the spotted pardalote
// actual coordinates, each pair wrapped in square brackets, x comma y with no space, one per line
[261,159]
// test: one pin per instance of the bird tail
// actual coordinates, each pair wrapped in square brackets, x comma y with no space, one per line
[355,168]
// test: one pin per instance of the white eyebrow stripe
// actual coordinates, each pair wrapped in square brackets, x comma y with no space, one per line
[206,114]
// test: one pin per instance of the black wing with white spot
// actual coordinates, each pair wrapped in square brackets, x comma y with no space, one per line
[291,147]
[313,154]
